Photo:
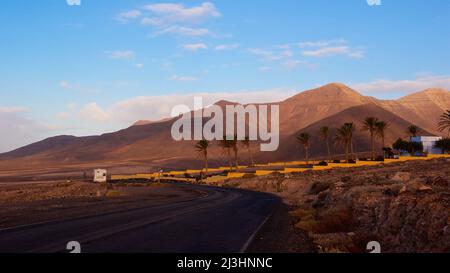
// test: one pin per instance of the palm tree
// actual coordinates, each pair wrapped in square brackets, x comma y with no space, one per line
[304,139]
[227,145]
[412,131]
[444,122]
[370,124]
[246,143]
[202,147]
[344,137]
[380,131]
[325,136]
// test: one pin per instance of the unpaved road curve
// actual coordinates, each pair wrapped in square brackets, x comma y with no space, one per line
[223,221]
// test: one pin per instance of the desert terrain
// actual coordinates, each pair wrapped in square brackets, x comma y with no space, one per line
[405,206]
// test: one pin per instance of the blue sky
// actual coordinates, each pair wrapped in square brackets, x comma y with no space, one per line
[99,66]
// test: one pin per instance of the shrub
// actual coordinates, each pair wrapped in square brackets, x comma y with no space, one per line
[336,219]
[443,144]
[303,214]
[322,163]
[307,225]
[379,159]
[351,161]
[336,161]
[318,187]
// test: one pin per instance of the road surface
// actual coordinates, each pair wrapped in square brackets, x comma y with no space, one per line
[225,220]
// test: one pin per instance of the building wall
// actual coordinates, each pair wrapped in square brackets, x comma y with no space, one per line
[428,143]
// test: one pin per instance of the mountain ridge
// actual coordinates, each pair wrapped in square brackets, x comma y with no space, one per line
[151,141]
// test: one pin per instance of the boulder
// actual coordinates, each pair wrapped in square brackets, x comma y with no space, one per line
[402,177]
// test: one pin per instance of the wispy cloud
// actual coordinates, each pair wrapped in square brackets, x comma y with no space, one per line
[77,87]
[226,47]
[171,18]
[195,47]
[13,109]
[126,112]
[19,130]
[186,31]
[121,55]
[169,14]
[129,15]
[282,55]
[404,86]
[330,48]
[183,78]
[94,113]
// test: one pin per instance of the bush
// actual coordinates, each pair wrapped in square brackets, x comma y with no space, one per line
[443,144]
[318,187]
[336,161]
[400,145]
[303,214]
[351,161]
[363,159]
[322,163]
[379,159]
[336,219]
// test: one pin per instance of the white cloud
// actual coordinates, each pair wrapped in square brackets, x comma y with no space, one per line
[292,64]
[183,78]
[333,51]
[405,86]
[186,31]
[128,15]
[170,18]
[264,68]
[169,14]
[311,44]
[13,109]
[139,66]
[77,87]
[226,47]
[122,55]
[266,55]
[195,47]
[18,130]
[93,112]
[330,48]
[159,107]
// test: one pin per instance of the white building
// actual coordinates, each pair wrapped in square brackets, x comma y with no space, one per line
[100,176]
[428,143]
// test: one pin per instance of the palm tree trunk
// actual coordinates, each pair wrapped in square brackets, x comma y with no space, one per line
[230,161]
[346,151]
[328,150]
[251,157]
[236,161]
[206,164]
[306,156]
[372,141]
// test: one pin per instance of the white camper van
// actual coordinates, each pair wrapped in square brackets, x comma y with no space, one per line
[100,176]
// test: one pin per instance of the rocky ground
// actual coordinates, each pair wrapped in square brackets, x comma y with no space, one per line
[405,206]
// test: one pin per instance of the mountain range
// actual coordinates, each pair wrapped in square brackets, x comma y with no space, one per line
[330,105]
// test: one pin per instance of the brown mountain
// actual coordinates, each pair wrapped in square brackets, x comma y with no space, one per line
[422,109]
[330,105]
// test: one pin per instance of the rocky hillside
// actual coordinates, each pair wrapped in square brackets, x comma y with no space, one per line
[404,206]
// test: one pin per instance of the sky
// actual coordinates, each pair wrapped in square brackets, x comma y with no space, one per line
[83,67]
